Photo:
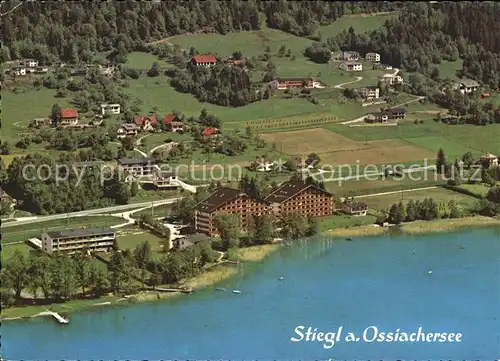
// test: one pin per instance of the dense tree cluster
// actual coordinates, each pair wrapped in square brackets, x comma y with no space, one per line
[425,210]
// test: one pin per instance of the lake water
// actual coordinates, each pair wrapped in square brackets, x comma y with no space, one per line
[375,281]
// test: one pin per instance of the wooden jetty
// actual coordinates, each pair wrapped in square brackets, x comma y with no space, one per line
[56,316]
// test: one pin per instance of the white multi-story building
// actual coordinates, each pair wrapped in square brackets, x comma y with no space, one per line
[351,66]
[110,109]
[93,239]
[391,79]
[18,70]
[370,92]
[374,57]
[30,63]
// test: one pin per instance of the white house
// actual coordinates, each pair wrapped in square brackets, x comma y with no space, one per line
[30,63]
[373,57]
[466,86]
[370,92]
[391,79]
[351,66]
[18,70]
[110,109]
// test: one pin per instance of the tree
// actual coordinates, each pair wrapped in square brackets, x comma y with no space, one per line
[142,257]
[154,71]
[487,178]
[265,229]
[134,189]
[294,225]
[55,114]
[440,162]
[82,270]
[15,274]
[117,269]
[411,211]
[98,279]
[397,213]
[228,227]
[251,228]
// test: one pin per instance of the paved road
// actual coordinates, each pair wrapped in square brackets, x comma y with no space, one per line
[371,175]
[98,211]
[340,86]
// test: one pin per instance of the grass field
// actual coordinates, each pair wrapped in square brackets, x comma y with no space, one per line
[342,221]
[479,189]
[384,202]
[144,61]
[13,233]
[448,69]
[130,238]
[360,23]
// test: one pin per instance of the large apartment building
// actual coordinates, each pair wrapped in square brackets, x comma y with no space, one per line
[139,167]
[227,200]
[93,239]
[298,197]
[291,197]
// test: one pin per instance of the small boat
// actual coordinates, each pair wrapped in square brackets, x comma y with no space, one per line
[462,247]
[430,272]
[236,291]
[348,239]
[281,279]
[221,289]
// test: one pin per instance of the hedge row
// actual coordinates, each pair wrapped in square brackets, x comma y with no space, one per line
[278,123]
[463,191]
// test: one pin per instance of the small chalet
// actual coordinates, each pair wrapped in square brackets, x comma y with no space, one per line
[391,79]
[388,114]
[165,179]
[285,83]
[373,57]
[232,61]
[68,117]
[210,132]
[351,66]
[173,123]
[370,92]
[128,130]
[355,208]
[110,109]
[204,60]
[465,86]
[489,161]
[140,167]
[30,63]
[147,123]
[347,55]
[191,240]
[18,70]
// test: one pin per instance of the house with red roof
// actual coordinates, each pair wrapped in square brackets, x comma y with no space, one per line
[206,60]
[68,117]
[173,123]
[210,132]
[146,123]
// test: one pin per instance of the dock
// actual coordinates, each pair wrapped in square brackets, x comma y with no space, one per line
[57,316]
[181,290]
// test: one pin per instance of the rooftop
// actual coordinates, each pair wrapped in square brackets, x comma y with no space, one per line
[68,113]
[218,198]
[468,83]
[84,232]
[356,206]
[208,58]
[130,126]
[287,190]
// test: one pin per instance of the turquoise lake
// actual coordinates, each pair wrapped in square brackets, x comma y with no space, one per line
[373,281]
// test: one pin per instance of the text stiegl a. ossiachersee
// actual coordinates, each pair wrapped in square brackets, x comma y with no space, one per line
[371,334]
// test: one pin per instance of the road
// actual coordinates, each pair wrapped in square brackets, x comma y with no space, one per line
[169,145]
[396,192]
[340,86]
[98,211]
[371,175]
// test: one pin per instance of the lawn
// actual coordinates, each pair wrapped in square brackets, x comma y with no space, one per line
[360,23]
[9,249]
[448,69]
[384,202]
[479,188]
[158,211]
[144,61]
[13,233]
[156,140]
[342,221]
[130,238]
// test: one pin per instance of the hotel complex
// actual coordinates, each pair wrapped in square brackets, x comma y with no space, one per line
[291,197]
[93,239]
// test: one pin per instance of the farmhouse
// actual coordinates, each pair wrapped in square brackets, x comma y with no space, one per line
[465,86]
[346,55]
[489,161]
[227,200]
[188,241]
[391,79]
[299,197]
[138,167]
[18,70]
[373,57]
[173,123]
[388,114]
[110,109]
[351,66]
[93,239]
[127,130]
[68,117]
[146,123]
[204,60]
[285,83]
[370,92]
[355,208]
[30,63]
[210,132]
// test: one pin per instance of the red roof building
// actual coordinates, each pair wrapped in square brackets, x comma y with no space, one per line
[207,132]
[140,120]
[68,113]
[204,60]
[173,122]
[169,118]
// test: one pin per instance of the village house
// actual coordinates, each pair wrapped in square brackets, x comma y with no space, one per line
[68,117]
[110,109]
[30,63]
[285,83]
[146,123]
[210,132]
[204,60]
[489,161]
[465,86]
[227,200]
[354,208]
[71,241]
[391,79]
[346,55]
[233,61]
[373,57]
[262,165]
[127,130]
[18,70]
[370,92]
[40,122]
[173,123]
[388,114]
[351,66]
[138,167]
[7,199]
[165,179]
[42,69]
[299,197]
[184,242]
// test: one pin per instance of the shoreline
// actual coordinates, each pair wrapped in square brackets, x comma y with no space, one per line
[254,254]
